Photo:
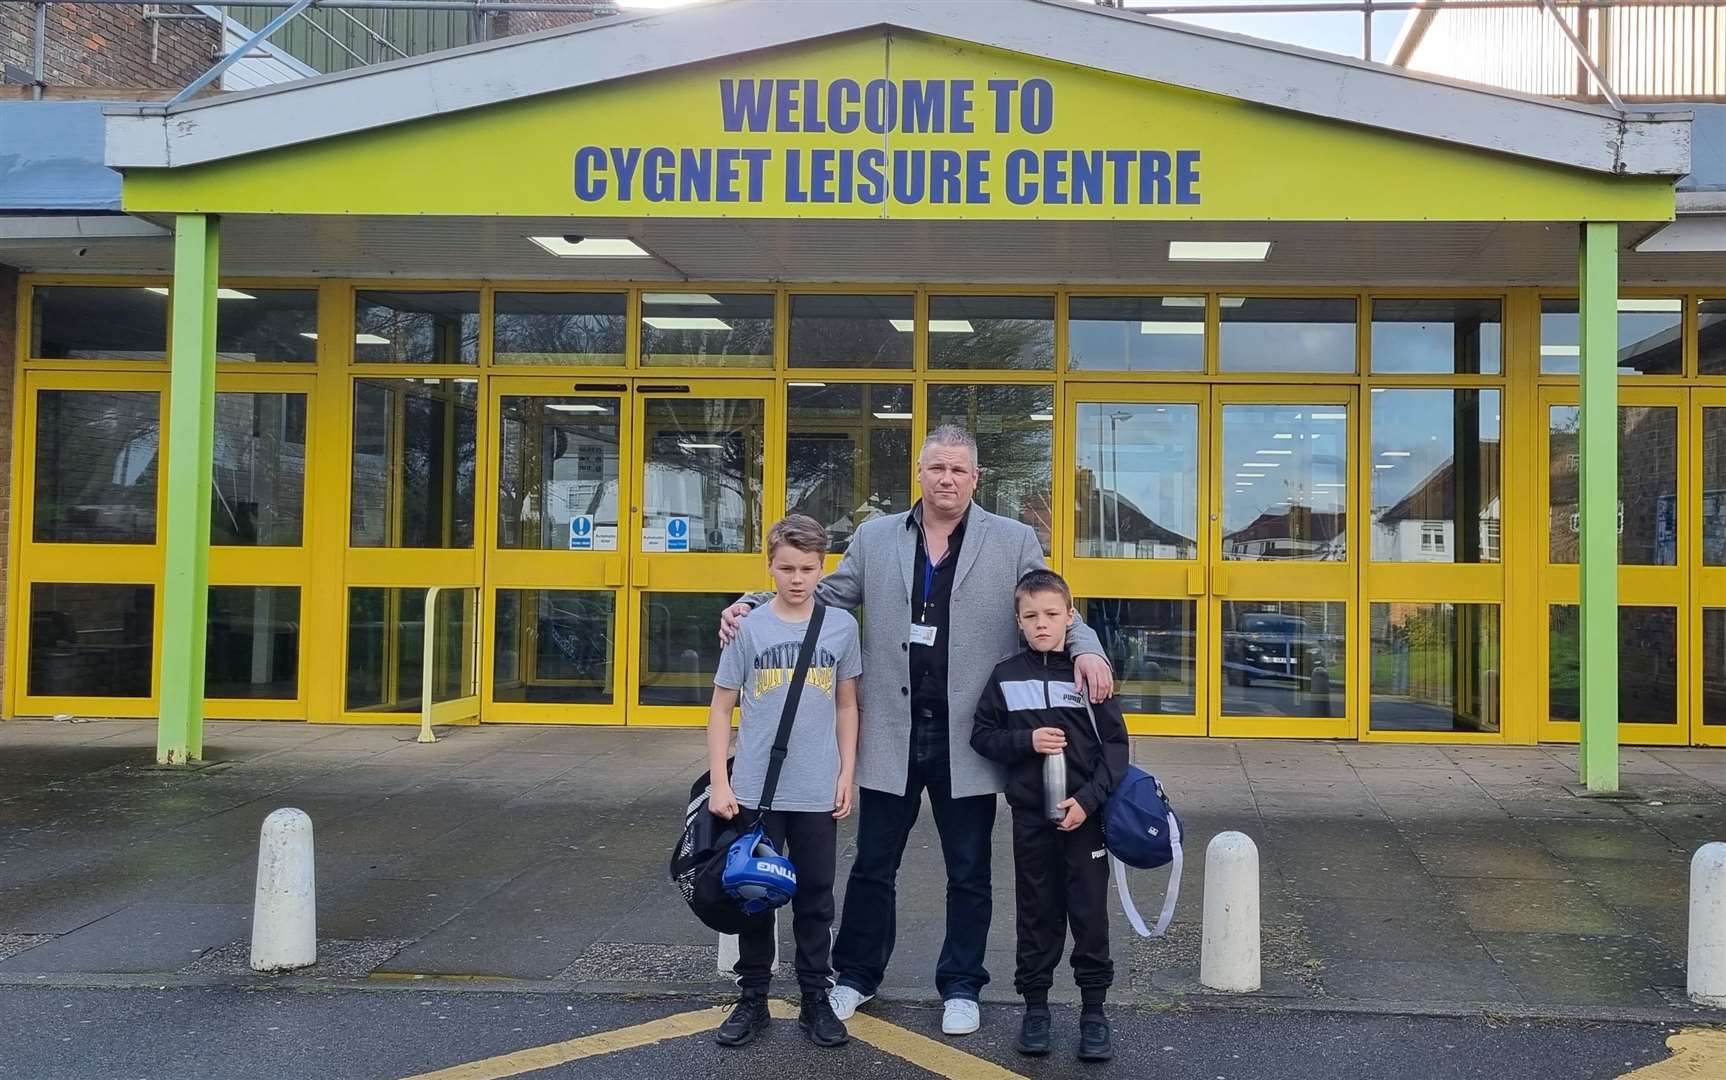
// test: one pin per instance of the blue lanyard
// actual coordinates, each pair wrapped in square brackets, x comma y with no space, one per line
[930,568]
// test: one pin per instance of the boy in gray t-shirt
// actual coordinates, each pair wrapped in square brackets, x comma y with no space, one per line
[814,789]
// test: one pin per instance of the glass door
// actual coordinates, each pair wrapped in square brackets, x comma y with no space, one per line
[1708,708]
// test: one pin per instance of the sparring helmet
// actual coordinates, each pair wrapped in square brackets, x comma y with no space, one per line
[756,875]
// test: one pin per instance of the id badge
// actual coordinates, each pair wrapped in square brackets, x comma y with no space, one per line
[923,635]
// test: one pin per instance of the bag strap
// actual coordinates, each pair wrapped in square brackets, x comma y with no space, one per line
[782,741]
[1175,863]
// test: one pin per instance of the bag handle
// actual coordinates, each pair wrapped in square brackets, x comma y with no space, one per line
[1175,865]
[782,741]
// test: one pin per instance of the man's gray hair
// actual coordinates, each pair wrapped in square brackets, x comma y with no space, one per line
[951,435]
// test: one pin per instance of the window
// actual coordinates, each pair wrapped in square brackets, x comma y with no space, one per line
[992,332]
[416,328]
[1432,538]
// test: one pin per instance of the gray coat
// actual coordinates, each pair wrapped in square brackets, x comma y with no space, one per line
[875,574]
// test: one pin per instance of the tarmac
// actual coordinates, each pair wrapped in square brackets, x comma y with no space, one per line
[1397,879]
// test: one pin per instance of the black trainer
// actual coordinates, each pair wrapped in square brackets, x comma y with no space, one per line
[1034,1032]
[747,1020]
[818,1022]
[1094,1041]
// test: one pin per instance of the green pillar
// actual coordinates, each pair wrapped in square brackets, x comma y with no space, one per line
[1598,652]
[190,437]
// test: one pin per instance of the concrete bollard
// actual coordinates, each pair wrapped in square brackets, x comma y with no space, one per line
[285,905]
[728,949]
[1229,945]
[1707,969]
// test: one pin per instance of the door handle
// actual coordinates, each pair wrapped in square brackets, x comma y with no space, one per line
[1196,580]
[1220,580]
[614,571]
[639,571]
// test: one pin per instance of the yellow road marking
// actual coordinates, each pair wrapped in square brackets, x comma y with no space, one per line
[1697,1054]
[942,1059]
[559,1053]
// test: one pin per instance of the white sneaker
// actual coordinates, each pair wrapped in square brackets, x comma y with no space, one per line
[961,1016]
[845,1001]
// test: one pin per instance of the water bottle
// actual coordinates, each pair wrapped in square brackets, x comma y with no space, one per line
[1054,785]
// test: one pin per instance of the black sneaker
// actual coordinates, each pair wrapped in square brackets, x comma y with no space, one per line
[747,1020]
[1034,1032]
[819,1023]
[1094,1041]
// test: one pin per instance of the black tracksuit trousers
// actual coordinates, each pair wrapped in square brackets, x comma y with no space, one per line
[1061,880]
[809,839]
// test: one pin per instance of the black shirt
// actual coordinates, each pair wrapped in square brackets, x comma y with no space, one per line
[931,605]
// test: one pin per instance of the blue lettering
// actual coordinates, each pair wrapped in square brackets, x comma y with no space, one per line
[821,176]
[976,176]
[1187,177]
[1087,176]
[1153,177]
[743,104]
[695,174]
[1003,89]
[624,161]
[842,98]
[847,174]
[1055,177]
[872,171]
[944,176]
[659,179]
[1037,106]
[727,180]
[812,96]
[959,106]
[1021,177]
[794,192]
[909,179]
[588,187]
[880,106]
[924,103]
[1121,165]
[757,160]
[784,105]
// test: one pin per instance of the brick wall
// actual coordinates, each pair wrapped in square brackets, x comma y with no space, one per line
[509,23]
[8,361]
[108,46]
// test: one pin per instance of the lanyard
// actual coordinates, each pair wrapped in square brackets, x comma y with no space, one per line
[930,568]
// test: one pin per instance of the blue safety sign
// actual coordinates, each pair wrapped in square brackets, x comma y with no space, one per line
[581,533]
[677,534]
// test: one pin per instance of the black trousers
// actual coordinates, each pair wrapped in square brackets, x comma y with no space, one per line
[809,840]
[1061,880]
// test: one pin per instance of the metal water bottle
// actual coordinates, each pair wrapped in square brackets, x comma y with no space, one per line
[1054,785]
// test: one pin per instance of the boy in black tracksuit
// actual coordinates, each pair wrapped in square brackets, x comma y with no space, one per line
[1031,709]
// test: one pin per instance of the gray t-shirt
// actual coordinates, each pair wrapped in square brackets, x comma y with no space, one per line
[758,664]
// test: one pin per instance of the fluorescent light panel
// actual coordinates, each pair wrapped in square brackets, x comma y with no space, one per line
[892,416]
[936,326]
[680,298]
[679,322]
[221,294]
[592,247]
[1171,328]
[1219,250]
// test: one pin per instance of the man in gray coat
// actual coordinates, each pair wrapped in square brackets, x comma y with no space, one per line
[936,587]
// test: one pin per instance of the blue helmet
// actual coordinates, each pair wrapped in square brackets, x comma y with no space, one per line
[756,875]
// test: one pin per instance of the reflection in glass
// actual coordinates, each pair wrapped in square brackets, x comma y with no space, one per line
[576,328]
[413,463]
[1462,337]
[1714,487]
[1285,482]
[1435,469]
[1650,337]
[1647,484]
[416,327]
[679,652]
[91,640]
[992,332]
[267,325]
[1711,336]
[1284,658]
[697,329]
[848,454]
[1151,644]
[1136,489]
[97,462]
[386,643]
[258,498]
[1647,664]
[1435,667]
[1136,333]
[252,649]
[1714,666]
[554,646]
[702,477]
[558,460]
[1261,333]
[865,331]
[1014,429]
[98,322]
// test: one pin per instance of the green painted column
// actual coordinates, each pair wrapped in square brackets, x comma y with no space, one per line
[1598,451]
[190,437]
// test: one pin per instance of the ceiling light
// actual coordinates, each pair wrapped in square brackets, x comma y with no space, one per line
[1337,487]
[1042,416]
[1329,416]
[1650,305]
[221,294]
[1183,301]
[308,334]
[700,446]
[1397,453]
[591,247]
[892,416]
[673,322]
[936,326]
[1384,466]
[1278,453]
[679,298]
[1261,464]
[1283,435]
[1561,350]
[1171,328]
[807,385]
[583,407]
[1252,475]
[1219,250]
[370,339]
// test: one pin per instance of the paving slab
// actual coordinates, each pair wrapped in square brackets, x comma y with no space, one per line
[141,938]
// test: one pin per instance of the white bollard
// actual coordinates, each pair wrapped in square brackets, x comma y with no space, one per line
[1229,945]
[728,949]
[285,906]
[1707,978]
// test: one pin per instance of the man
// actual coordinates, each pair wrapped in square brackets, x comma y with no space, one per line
[936,586]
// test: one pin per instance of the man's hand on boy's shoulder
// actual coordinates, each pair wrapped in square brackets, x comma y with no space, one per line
[731,620]
[1094,677]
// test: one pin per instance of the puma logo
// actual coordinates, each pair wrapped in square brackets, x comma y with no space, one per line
[1099,854]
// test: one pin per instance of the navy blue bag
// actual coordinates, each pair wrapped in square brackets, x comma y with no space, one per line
[1140,829]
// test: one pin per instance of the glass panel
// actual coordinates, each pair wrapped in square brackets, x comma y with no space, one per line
[1136,333]
[267,325]
[554,646]
[96,466]
[258,498]
[560,328]
[84,322]
[416,328]
[91,640]
[413,463]
[1136,490]
[253,647]
[1284,658]
[1152,646]
[1285,482]
[707,329]
[1647,664]
[1014,429]
[679,651]
[701,482]
[558,461]
[1463,337]
[1650,337]
[992,332]
[1435,667]
[1714,487]
[1711,335]
[1714,666]
[1647,484]
[852,331]
[1435,469]
[386,643]
[1274,334]
[848,454]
